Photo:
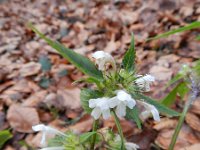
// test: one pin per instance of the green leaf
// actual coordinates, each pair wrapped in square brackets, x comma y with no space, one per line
[134,114]
[171,97]
[88,80]
[128,62]
[86,136]
[176,78]
[81,62]
[181,89]
[161,108]
[181,29]
[5,135]
[86,95]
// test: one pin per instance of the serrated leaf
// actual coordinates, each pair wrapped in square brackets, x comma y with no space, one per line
[86,95]
[128,62]
[134,115]
[86,136]
[81,62]
[161,108]
[181,29]
[5,135]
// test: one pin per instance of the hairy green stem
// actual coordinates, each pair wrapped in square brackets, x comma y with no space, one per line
[119,130]
[180,122]
[94,129]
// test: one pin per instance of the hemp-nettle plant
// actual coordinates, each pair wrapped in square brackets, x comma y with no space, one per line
[119,93]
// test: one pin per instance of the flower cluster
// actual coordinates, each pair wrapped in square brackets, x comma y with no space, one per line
[122,99]
[104,104]
[117,97]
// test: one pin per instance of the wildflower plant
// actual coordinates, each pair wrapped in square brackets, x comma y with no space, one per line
[119,92]
[187,81]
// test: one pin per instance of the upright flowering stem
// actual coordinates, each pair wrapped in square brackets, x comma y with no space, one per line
[94,129]
[181,120]
[119,130]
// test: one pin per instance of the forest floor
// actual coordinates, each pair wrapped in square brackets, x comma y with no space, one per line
[36,82]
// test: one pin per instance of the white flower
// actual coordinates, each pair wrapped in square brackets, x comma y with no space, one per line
[102,58]
[149,109]
[100,106]
[46,130]
[144,82]
[131,146]
[120,101]
[53,148]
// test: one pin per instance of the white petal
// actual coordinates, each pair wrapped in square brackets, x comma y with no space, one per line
[147,87]
[103,103]
[121,110]
[122,95]
[39,127]
[99,54]
[54,131]
[131,103]
[150,109]
[101,66]
[131,146]
[145,114]
[155,114]
[96,113]
[102,58]
[46,129]
[53,148]
[43,140]
[149,78]
[92,103]
[106,114]
[113,102]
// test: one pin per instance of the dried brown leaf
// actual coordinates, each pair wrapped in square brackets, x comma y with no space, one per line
[22,118]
